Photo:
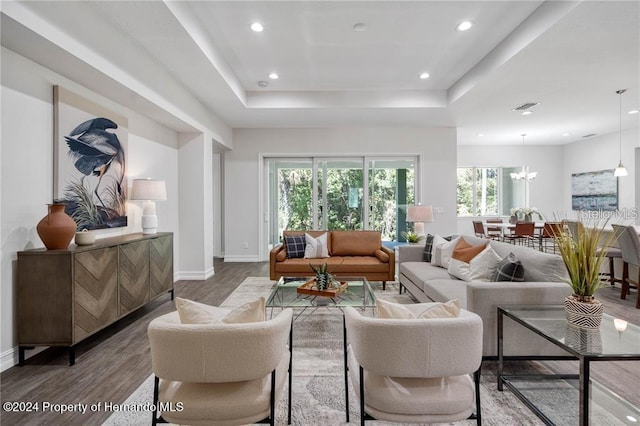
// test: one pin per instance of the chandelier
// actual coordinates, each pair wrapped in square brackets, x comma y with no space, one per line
[524,173]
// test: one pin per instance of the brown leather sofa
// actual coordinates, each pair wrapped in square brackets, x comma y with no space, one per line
[352,253]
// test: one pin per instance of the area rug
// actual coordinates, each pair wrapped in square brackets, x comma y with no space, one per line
[318,378]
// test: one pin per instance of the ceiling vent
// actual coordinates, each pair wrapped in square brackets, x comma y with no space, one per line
[526,106]
[589,135]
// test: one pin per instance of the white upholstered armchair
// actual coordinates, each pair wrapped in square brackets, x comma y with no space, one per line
[414,370]
[223,374]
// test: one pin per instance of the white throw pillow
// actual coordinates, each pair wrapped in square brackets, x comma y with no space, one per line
[443,251]
[316,247]
[390,310]
[484,265]
[192,312]
[481,268]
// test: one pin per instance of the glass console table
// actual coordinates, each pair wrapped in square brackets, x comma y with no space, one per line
[593,399]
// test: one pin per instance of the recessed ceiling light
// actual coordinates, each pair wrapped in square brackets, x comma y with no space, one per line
[464,26]
[360,26]
[527,112]
[480,135]
[633,111]
[566,134]
[257,27]
[274,76]
[262,84]
[424,75]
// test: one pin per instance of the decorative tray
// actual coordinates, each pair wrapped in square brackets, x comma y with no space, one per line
[309,288]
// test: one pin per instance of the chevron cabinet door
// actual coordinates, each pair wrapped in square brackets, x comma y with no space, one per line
[161,265]
[133,275]
[96,290]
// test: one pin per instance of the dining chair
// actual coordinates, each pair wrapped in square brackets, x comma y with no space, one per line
[478,228]
[547,236]
[523,234]
[494,232]
[629,243]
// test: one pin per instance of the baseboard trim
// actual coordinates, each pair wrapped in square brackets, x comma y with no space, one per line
[9,358]
[195,275]
[251,258]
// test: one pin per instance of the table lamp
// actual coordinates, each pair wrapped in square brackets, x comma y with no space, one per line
[149,191]
[418,215]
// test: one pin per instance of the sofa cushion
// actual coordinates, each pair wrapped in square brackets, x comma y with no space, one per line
[338,265]
[538,266]
[443,290]
[442,251]
[382,256]
[418,272]
[428,247]
[481,268]
[316,247]
[450,309]
[510,269]
[355,243]
[295,245]
[465,251]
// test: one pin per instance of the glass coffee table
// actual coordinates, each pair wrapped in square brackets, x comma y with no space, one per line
[572,395]
[357,294]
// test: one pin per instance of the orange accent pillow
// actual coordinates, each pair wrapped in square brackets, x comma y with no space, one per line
[465,251]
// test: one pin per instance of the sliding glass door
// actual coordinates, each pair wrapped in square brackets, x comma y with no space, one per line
[341,192]
[351,193]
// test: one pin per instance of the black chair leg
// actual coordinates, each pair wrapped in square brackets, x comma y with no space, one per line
[476,377]
[362,413]
[290,371]
[346,368]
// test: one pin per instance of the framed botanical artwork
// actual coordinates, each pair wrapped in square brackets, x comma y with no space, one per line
[90,152]
[594,190]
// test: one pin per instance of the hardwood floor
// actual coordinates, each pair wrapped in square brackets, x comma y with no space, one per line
[113,363]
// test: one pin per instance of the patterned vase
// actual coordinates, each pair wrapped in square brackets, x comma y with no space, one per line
[57,228]
[583,315]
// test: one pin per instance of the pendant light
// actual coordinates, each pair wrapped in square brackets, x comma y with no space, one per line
[620,170]
[523,174]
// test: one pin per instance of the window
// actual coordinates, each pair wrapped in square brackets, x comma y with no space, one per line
[488,191]
[339,193]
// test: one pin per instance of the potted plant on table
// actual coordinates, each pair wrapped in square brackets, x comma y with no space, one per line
[411,237]
[583,258]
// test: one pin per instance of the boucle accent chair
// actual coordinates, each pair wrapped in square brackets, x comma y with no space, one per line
[223,374]
[414,370]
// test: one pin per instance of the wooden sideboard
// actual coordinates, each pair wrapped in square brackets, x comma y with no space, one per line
[65,296]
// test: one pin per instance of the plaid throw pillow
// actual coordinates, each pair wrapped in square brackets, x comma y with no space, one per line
[428,247]
[510,269]
[295,245]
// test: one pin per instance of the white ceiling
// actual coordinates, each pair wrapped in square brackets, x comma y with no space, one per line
[569,56]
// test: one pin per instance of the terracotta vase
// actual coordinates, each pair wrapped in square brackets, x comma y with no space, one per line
[57,228]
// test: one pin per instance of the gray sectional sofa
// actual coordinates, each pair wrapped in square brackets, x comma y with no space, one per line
[543,285]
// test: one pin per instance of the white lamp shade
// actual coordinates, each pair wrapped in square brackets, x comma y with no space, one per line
[148,189]
[419,214]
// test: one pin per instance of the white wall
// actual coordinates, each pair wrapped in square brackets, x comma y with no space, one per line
[244,220]
[601,153]
[27,171]
[546,160]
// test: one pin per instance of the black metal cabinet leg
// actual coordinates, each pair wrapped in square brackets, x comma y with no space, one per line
[72,355]
[500,348]
[584,392]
